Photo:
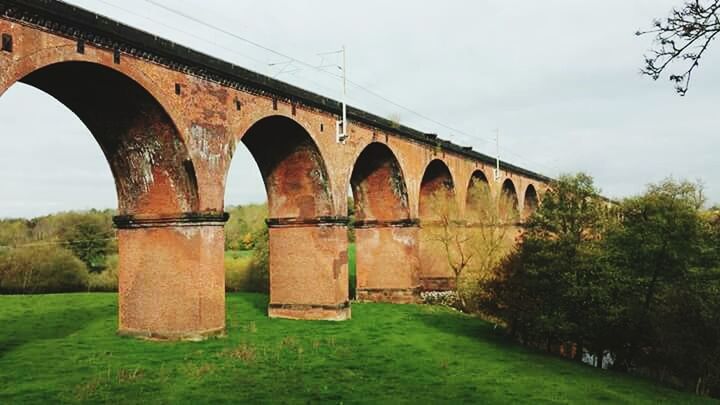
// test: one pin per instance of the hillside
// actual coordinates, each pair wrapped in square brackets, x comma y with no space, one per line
[63,348]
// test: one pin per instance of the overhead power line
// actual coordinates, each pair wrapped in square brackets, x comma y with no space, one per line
[128,11]
[454,131]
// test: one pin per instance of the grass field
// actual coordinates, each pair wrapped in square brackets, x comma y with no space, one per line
[351,269]
[63,348]
[238,254]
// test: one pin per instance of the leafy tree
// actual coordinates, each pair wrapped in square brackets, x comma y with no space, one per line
[351,219]
[639,282]
[88,235]
[659,242]
[13,232]
[244,220]
[260,265]
[682,38]
[554,289]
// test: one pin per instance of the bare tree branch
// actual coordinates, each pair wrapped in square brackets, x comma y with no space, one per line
[682,38]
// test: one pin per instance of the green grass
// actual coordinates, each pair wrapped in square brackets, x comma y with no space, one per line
[238,254]
[351,269]
[63,348]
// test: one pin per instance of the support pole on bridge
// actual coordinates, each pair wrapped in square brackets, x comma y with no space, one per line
[497,155]
[342,133]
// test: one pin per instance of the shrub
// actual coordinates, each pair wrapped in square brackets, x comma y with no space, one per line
[107,280]
[237,274]
[260,264]
[42,269]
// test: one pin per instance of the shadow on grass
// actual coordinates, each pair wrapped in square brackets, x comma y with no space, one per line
[463,325]
[257,301]
[27,328]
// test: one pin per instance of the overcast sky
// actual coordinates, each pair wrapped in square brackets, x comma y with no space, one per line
[559,78]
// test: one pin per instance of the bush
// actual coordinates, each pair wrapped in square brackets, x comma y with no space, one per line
[42,269]
[250,273]
[107,280]
[260,264]
[237,274]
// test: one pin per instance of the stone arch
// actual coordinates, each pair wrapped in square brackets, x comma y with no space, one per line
[437,178]
[152,168]
[385,237]
[162,238]
[530,201]
[509,192]
[292,167]
[378,185]
[308,260]
[478,194]
[437,182]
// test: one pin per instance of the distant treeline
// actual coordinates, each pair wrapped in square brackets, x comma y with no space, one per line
[69,251]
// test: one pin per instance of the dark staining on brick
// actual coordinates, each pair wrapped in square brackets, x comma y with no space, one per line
[397,184]
[294,172]
[378,185]
[339,262]
[437,179]
[139,139]
[178,89]
[190,173]
[322,127]
[80,46]
[275,107]
[7,42]
[238,104]
[221,94]
[294,109]
[116,56]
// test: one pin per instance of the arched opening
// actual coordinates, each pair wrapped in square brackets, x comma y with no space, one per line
[307,244]
[509,201]
[386,239]
[155,185]
[479,198]
[378,186]
[530,204]
[151,166]
[437,184]
[438,215]
[53,164]
[293,171]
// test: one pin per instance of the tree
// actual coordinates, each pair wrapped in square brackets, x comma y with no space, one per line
[659,242]
[639,281]
[474,244]
[554,289]
[13,232]
[682,38]
[88,235]
[260,264]
[244,223]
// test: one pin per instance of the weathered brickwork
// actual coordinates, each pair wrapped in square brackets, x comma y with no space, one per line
[169,119]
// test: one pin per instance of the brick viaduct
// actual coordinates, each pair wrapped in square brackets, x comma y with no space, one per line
[168,120]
